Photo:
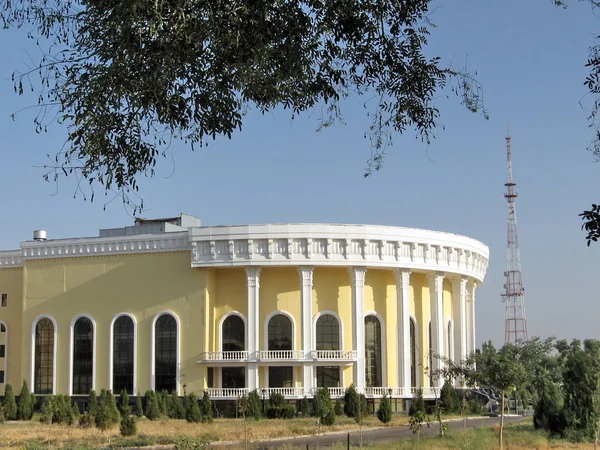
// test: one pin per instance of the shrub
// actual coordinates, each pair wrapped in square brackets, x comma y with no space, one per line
[162,400]
[281,412]
[190,443]
[124,408]
[107,414]
[323,407]
[254,405]
[128,426]
[206,408]
[305,407]
[548,413]
[151,408]
[10,404]
[75,411]
[192,410]
[351,402]
[449,399]
[475,406]
[92,406]
[26,403]
[139,409]
[176,409]
[2,413]
[384,412]
[57,409]
[276,399]
[339,407]
[418,403]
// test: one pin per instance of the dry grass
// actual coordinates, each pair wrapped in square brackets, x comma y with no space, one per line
[164,432]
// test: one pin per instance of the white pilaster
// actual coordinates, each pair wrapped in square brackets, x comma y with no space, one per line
[460,318]
[306,283]
[436,290]
[357,275]
[253,285]
[471,286]
[403,298]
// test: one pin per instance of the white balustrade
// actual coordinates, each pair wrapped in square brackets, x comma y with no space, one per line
[428,392]
[334,354]
[224,356]
[280,354]
[227,392]
[285,391]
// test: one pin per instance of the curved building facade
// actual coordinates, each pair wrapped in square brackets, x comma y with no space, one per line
[170,304]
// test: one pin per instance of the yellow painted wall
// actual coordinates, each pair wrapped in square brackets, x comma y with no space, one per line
[101,287]
[420,285]
[229,294]
[11,283]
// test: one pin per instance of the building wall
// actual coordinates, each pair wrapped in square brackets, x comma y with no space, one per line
[11,284]
[147,284]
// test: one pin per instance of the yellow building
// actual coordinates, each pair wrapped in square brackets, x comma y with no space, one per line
[169,304]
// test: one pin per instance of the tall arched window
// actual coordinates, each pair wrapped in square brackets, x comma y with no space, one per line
[83,356]
[280,332]
[280,338]
[234,334]
[373,351]
[123,354]
[44,357]
[328,333]
[165,356]
[413,353]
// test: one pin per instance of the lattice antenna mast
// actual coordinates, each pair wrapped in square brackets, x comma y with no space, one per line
[514,296]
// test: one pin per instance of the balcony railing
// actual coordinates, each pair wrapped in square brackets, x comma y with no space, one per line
[227,392]
[389,391]
[333,355]
[280,355]
[224,356]
[428,392]
[285,391]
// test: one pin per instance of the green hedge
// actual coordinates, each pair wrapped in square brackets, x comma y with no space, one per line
[281,412]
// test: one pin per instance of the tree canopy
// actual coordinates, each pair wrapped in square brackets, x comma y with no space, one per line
[127,78]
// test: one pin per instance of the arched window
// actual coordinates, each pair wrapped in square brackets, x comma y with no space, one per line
[328,332]
[234,334]
[280,338]
[83,355]
[165,359]
[123,354]
[280,333]
[373,351]
[413,353]
[44,357]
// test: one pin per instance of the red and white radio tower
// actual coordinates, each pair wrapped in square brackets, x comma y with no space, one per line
[514,297]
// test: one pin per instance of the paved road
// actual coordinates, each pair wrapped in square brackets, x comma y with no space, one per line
[370,437]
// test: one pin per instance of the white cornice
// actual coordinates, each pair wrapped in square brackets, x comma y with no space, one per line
[12,258]
[338,245]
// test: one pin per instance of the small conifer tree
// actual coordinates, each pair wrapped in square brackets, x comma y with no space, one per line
[351,402]
[128,426]
[206,408]
[26,404]
[124,408]
[151,408]
[384,412]
[176,410]
[107,414]
[92,406]
[305,407]
[254,405]
[139,409]
[418,403]
[10,404]
[192,410]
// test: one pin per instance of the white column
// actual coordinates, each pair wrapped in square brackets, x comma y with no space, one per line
[306,283]
[472,285]
[253,285]
[357,275]
[460,318]
[436,290]
[403,299]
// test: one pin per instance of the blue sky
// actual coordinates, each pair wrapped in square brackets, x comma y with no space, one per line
[530,59]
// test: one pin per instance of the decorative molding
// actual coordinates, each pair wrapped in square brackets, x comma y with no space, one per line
[340,245]
[9,259]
